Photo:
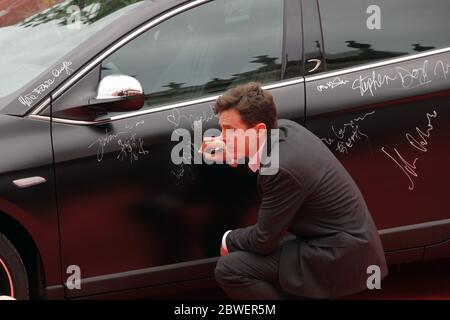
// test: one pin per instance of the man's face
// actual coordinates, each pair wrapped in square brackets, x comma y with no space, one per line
[243,139]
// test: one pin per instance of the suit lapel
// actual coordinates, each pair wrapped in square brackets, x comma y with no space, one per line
[258,185]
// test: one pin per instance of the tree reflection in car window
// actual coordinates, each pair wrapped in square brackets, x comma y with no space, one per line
[35,34]
[205,51]
[405,27]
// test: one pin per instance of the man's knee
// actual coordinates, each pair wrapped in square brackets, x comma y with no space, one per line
[228,267]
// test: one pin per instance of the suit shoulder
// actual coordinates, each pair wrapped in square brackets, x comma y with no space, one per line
[286,123]
[301,152]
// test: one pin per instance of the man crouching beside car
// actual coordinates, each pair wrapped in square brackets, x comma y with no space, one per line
[334,246]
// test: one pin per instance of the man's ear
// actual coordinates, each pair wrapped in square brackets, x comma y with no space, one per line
[260,126]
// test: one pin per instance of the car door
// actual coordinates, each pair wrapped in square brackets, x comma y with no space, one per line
[130,216]
[381,104]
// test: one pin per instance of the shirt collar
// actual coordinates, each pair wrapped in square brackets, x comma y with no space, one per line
[254,162]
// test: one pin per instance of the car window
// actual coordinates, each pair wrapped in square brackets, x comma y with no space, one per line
[35,34]
[362,31]
[205,51]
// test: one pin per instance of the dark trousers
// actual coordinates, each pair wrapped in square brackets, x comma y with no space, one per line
[244,275]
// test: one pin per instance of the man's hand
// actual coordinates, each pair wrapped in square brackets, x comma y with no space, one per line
[216,150]
[213,148]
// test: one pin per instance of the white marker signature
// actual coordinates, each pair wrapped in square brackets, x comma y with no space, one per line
[28,99]
[344,139]
[409,78]
[405,166]
[444,68]
[131,146]
[182,168]
[336,82]
[414,78]
[418,142]
[371,83]
[190,120]
[180,120]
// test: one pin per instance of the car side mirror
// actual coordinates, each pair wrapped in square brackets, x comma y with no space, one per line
[115,93]
[119,93]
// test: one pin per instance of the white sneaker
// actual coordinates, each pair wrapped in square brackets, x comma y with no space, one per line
[6,298]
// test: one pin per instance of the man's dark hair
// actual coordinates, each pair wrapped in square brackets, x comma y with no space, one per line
[253,103]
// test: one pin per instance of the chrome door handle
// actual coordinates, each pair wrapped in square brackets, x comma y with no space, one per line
[29,182]
[318,62]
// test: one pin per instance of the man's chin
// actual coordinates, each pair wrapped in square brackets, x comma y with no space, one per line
[232,163]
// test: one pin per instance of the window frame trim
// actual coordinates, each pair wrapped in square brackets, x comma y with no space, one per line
[373,65]
[292,37]
[279,84]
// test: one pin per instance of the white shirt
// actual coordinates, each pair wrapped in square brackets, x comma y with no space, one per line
[224,238]
[255,161]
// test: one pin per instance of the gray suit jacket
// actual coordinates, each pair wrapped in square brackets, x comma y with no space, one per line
[313,197]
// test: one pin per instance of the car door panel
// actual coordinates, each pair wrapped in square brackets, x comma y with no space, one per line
[122,195]
[383,113]
[364,120]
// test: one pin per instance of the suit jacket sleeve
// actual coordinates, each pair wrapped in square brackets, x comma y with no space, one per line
[282,196]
